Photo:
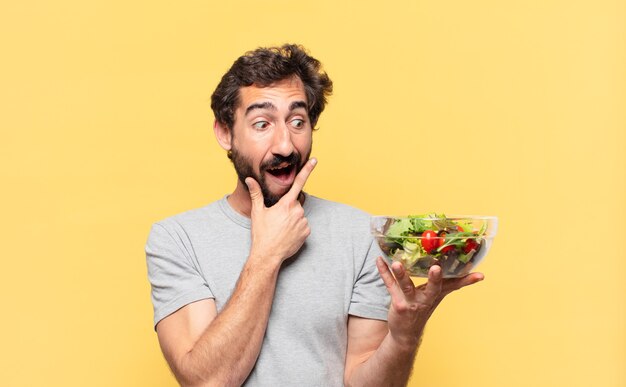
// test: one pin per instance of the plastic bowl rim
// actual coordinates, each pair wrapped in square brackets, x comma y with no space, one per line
[490,235]
[452,217]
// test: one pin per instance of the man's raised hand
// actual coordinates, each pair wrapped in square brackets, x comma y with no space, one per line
[412,306]
[279,232]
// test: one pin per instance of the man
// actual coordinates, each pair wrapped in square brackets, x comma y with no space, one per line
[271,286]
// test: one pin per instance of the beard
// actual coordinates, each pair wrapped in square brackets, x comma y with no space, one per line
[243,167]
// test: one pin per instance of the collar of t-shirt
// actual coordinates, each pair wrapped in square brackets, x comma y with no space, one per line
[244,221]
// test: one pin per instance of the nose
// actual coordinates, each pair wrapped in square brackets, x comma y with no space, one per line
[282,144]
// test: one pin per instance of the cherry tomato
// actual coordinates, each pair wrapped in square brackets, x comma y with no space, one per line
[430,241]
[447,249]
[470,245]
[442,240]
[459,228]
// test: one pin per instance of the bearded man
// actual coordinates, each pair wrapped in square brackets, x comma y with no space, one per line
[271,286]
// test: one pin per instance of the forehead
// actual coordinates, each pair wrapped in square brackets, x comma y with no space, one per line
[281,92]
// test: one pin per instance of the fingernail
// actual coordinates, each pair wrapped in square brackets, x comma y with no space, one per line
[313,161]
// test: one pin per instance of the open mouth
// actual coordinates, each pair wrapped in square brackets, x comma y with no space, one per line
[283,172]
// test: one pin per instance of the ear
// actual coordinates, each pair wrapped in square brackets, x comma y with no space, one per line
[223,135]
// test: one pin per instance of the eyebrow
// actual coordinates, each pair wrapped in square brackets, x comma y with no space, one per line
[270,106]
[260,105]
[297,104]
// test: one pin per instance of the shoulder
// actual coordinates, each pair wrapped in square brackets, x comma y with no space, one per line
[185,224]
[191,217]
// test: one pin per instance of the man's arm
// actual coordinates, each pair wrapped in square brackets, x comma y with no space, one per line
[382,354]
[204,348]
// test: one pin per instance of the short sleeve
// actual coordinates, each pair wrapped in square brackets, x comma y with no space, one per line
[174,279]
[370,298]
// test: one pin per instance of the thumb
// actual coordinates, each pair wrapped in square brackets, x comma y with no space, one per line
[255,192]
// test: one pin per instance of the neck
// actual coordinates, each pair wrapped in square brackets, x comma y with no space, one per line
[240,200]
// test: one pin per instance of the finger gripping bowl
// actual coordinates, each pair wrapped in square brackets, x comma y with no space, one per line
[456,243]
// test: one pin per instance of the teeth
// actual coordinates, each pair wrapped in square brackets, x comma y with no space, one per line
[280,166]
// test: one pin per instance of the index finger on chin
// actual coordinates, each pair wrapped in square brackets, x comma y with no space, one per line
[300,180]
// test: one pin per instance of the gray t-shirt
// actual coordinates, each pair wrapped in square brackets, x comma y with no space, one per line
[199,254]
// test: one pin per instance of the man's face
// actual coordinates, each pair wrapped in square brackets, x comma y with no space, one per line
[272,136]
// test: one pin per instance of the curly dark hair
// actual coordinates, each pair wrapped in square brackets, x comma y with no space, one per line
[265,66]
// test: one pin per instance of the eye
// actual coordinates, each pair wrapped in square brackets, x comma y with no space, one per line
[260,125]
[297,123]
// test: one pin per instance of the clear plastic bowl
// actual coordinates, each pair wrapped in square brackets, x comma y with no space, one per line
[456,243]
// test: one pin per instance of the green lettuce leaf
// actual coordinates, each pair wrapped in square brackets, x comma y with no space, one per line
[399,228]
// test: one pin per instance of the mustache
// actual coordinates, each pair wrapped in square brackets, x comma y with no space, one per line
[293,159]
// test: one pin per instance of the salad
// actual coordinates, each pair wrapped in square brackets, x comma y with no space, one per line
[420,241]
